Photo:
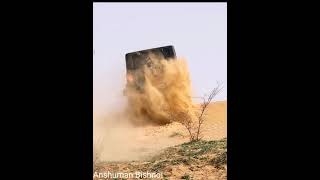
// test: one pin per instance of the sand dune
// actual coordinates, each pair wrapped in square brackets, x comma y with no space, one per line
[128,149]
[125,143]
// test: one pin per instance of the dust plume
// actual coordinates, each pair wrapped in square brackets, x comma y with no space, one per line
[120,135]
[167,91]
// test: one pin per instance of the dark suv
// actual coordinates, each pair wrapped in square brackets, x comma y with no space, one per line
[136,60]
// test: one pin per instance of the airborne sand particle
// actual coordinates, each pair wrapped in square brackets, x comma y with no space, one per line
[167,87]
[167,91]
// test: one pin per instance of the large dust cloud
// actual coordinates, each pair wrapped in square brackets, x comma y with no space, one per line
[167,91]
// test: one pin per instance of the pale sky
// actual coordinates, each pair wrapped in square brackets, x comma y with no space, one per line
[198,31]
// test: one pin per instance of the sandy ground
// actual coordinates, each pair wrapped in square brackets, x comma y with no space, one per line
[127,143]
[157,138]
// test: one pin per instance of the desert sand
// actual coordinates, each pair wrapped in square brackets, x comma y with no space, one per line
[128,140]
[125,147]
[123,142]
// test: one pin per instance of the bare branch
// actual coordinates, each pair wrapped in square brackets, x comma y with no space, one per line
[204,105]
[186,119]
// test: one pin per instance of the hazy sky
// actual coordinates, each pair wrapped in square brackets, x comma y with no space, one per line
[198,31]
